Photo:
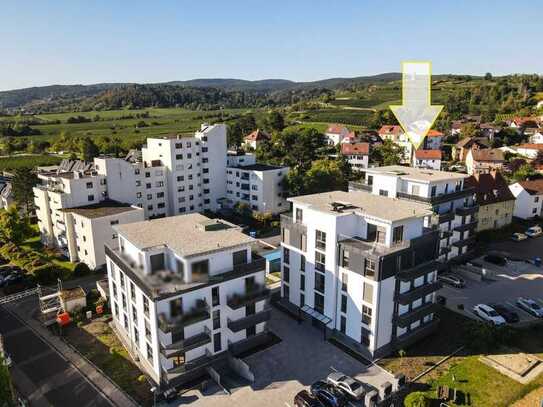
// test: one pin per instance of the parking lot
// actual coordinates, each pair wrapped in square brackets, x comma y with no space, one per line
[284,369]
[517,279]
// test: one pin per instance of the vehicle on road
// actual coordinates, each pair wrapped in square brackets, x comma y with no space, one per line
[508,314]
[328,394]
[518,237]
[495,259]
[488,314]
[351,387]
[534,231]
[306,399]
[452,280]
[530,306]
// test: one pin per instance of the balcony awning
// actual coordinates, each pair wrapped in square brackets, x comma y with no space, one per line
[317,315]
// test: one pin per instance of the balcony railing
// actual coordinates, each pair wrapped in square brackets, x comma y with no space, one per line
[418,292]
[198,313]
[464,242]
[445,217]
[416,314]
[467,210]
[191,365]
[248,321]
[360,186]
[437,199]
[419,332]
[193,342]
[255,294]
[466,226]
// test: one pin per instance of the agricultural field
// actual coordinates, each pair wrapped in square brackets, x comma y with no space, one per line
[28,160]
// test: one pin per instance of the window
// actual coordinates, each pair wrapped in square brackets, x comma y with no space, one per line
[114,222]
[149,353]
[302,299]
[286,255]
[319,303]
[286,291]
[320,240]
[397,234]
[344,304]
[534,210]
[433,190]
[160,195]
[345,259]
[367,296]
[132,291]
[161,205]
[343,324]
[136,336]
[286,274]
[364,337]
[299,215]
[200,271]
[302,282]
[302,263]
[369,268]
[217,319]
[320,260]
[415,190]
[179,156]
[147,174]
[536,199]
[89,185]
[319,282]
[344,281]
[138,183]
[134,315]
[383,192]
[366,315]
[148,185]
[90,198]
[147,330]
[145,305]
[215,299]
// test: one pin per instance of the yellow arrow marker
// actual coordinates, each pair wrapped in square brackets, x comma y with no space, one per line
[416,115]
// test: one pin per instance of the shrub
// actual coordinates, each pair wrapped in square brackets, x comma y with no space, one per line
[416,399]
[142,378]
[81,269]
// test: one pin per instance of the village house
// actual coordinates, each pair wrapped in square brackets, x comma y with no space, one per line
[495,200]
[529,198]
[256,138]
[335,133]
[357,155]
[396,134]
[484,160]
[427,159]
[529,150]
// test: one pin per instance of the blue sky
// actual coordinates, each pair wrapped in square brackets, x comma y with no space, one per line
[68,42]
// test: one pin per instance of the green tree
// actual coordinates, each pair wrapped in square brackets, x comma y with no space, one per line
[324,175]
[416,399]
[88,149]
[276,121]
[13,228]
[488,76]
[24,179]
[469,130]
[525,171]
[389,153]
[6,395]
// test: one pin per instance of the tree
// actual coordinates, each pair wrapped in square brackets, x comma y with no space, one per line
[416,399]
[6,395]
[324,175]
[488,76]
[525,171]
[13,228]
[276,121]
[88,149]
[469,130]
[24,180]
[389,153]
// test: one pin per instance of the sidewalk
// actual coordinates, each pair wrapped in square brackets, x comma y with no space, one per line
[114,394]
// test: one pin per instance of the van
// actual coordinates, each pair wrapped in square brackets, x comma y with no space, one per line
[534,231]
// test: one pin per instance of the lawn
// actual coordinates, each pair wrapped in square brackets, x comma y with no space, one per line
[97,342]
[28,160]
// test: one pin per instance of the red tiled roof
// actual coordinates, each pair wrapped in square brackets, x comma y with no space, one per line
[387,129]
[258,135]
[434,133]
[355,149]
[490,188]
[336,129]
[534,187]
[428,154]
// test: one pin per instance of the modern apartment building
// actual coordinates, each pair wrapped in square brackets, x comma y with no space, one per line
[186,292]
[257,185]
[361,268]
[451,199]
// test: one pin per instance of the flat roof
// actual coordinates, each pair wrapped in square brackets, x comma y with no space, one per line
[416,174]
[104,208]
[365,203]
[187,235]
[258,167]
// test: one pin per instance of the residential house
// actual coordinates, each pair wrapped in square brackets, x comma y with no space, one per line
[433,140]
[529,150]
[495,200]
[357,155]
[484,160]
[536,137]
[489,130]
[461,149]
[361,269]
[335,133]
[256,138]
[396,134]
[528,198]
[427,159]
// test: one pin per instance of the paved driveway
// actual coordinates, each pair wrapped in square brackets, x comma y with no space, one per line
[527,249]
[284,369]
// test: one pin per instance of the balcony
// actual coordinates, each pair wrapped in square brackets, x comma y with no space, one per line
[255,294]
[359,186]
[466,226]
[445,234]
[467,210]
[418,333]
[251,342]
[199,362]
[445,217]
[416,314]
[198,313]
[434,200]
[444,250]
[248,321]
[193,342]
[422,291]
[420,270]
[464,242]
[293,233]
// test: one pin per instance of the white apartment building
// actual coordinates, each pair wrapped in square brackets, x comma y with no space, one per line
[453,204]
[361,268]
[258,185]
[186,292]
[528,198]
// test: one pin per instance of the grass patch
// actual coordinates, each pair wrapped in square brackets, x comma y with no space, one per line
[28,160]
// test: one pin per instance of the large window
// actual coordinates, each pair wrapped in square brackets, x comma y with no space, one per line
[302,263]
[366,315]
[302,281]
[320,240]
[344,281]
[286,255]
[145,305]
[286,274]
[369,268]
[200,271]
[343,324]
[320,261]
[319,303]
[217,319]
[367,296]
[176,307]
[319,282]
[344,304]
[345,259]
[239,257]
[397,235]
[299,215]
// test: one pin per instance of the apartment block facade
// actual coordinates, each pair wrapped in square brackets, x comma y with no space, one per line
[452,201]
[186,292]
[361,268]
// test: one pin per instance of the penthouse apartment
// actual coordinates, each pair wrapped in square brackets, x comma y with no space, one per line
[362,268]
[257,185]
[186,292]
[452,201]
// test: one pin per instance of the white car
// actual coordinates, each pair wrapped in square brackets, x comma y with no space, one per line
[534,231]
[488,314]
[353,388]
[518,237]
[530,306]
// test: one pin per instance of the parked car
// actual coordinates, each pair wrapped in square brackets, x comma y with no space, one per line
[452,280]
[508,314]
[488,314]
[495,259]
[518,237]
[328,394]
[351,387]
[534,231]
[530,306]
[306,399]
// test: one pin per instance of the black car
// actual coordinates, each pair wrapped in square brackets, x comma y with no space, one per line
[328,395]
[507,314]
[306,399]
[495,259]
